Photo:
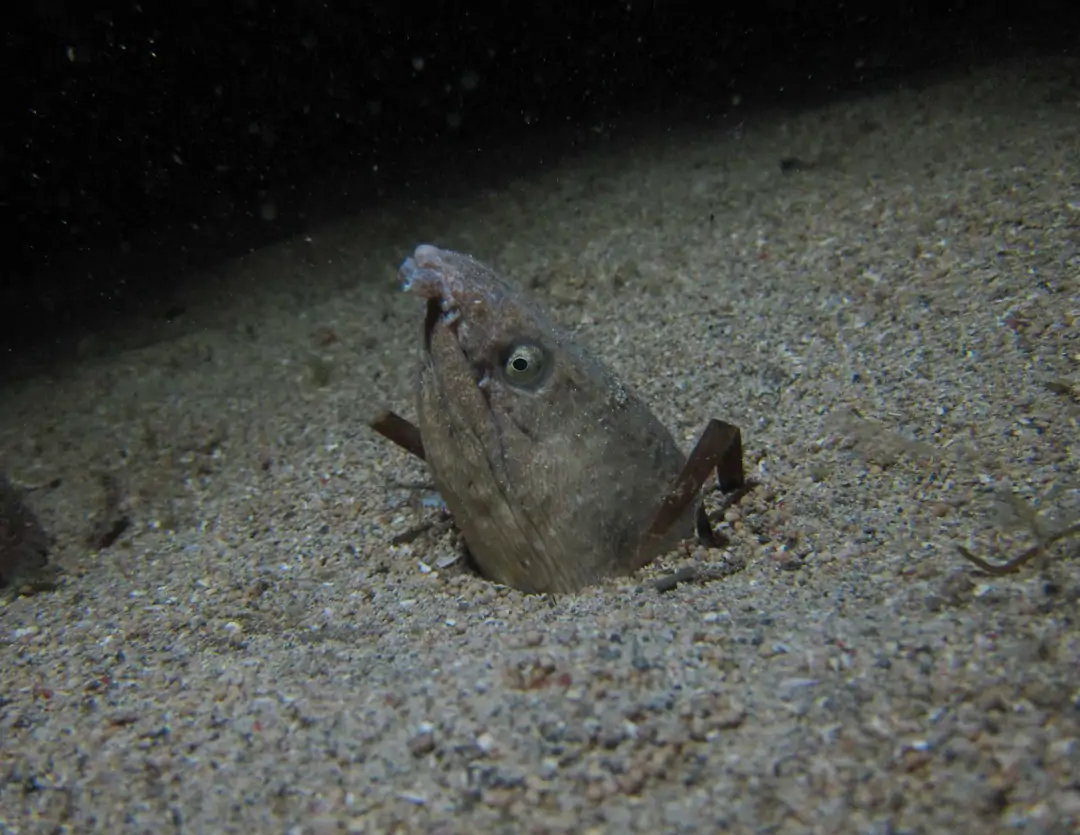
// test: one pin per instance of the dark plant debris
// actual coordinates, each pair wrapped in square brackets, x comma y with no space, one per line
[113,519]
[24,545]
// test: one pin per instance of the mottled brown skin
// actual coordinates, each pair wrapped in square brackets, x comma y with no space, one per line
[553,480]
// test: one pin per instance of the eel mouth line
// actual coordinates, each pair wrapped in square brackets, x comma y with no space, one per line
[431,319]
[437,315]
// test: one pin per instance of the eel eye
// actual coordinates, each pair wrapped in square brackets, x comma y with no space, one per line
[525,365]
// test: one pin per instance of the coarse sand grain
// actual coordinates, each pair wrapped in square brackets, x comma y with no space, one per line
[883,293]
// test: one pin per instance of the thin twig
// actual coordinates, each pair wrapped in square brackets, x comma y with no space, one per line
[1015,564]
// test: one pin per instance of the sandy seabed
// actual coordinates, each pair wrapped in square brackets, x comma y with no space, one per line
[891,317]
